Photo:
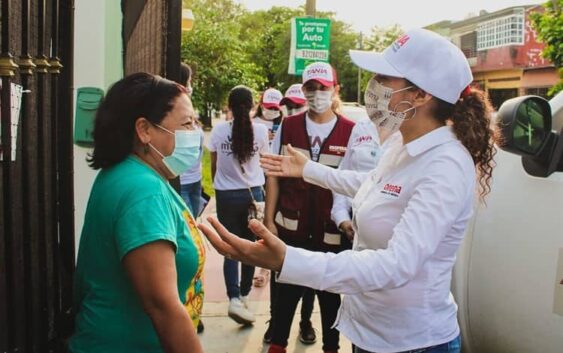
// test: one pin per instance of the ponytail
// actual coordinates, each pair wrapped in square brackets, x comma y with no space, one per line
[240,103]
[471,122]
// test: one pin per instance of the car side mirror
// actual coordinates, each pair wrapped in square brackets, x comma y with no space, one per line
[525,125]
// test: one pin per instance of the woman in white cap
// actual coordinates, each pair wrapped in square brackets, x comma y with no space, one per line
[269,111]
[294,100]
[410,213]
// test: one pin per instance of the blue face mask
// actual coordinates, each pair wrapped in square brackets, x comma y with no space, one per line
[186,151]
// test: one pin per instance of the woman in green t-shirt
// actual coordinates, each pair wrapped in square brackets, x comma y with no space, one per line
[137,255]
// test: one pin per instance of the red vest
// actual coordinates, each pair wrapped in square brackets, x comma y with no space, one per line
[303,211]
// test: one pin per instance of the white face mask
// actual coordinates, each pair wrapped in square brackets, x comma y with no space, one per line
[270,114]
[377,98]
[319,101]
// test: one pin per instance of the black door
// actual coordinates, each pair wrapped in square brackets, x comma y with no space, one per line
[36,188]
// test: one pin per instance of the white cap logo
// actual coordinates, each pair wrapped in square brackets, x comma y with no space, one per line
[294,94]
[319,71]
[398,44]
[271,98]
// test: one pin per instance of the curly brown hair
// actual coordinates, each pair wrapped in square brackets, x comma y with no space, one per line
[471,122]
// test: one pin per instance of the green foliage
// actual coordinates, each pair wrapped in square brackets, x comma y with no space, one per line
[378,39]
[230,45]
[219,59]
[267,35]
[343,38]
[549,27]
[206,180]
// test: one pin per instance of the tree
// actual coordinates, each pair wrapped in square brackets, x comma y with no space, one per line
[218,58]
[342,39]
[379,39]
[267,35]
[230,45]
[549,27]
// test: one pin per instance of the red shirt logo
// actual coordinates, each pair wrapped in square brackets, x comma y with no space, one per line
[393,190]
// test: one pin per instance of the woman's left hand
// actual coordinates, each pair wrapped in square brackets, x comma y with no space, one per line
[267,252]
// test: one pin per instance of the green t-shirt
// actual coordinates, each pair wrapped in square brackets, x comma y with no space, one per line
[130,205]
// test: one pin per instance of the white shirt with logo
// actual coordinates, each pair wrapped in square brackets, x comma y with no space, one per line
[228,175]
[410,215]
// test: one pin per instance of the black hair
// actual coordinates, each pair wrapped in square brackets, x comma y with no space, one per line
[133,97]
[185,73]
[240,103]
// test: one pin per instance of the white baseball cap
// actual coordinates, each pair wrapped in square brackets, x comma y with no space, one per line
[321,72]
[294,94]
[271,98]
[425,58]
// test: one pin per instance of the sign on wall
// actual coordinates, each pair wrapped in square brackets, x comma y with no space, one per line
[310,42]
[16,102]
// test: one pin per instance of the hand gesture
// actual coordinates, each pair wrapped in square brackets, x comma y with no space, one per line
[268,252]
[284,166]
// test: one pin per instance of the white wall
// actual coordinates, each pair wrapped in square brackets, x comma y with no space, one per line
[94,57]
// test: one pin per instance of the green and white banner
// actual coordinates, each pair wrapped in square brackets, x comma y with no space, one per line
[310,42]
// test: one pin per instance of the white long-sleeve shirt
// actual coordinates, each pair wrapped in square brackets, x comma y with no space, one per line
[410,216]
[362,154]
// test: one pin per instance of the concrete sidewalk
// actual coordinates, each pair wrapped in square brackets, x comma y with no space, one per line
[223,335]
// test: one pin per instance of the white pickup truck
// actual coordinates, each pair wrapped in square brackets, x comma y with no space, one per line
[508,280]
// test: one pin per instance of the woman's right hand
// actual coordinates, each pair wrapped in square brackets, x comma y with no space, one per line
[267,252]
[284,166]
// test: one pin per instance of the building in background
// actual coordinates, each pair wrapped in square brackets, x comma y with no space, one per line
[503,52]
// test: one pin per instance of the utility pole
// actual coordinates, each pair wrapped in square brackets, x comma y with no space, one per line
[311,8]
[360,46]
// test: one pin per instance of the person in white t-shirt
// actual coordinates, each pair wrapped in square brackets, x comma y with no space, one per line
[410,213]
[269,111]
[238,180]
[190,181]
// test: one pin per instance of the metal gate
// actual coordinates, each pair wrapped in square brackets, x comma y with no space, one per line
[36,205]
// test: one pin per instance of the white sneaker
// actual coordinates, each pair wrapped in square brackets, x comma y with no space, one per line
[244,300]
[239,313]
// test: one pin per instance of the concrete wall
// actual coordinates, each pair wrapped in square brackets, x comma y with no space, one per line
[98,62]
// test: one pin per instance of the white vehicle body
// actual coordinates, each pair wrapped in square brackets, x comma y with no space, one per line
[354,111]
[507,280]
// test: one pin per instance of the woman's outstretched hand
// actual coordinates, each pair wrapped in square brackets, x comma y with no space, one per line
[284,166]
[267,252]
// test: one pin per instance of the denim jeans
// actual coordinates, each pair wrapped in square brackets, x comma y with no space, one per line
[232,212]
[454,346]
[191,193]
